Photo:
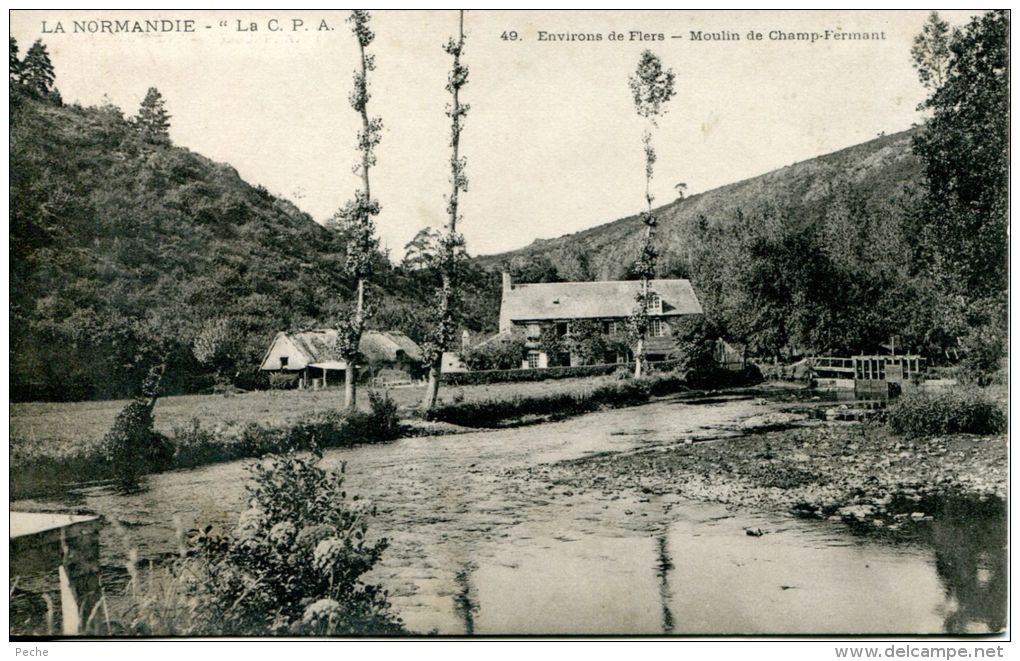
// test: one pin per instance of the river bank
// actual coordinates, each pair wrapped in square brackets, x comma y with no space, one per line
[44,465]
[484,541]
[858,473]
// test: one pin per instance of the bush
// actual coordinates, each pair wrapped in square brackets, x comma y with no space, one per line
[966,411]
[380,423]
[132,447]
[503,352]
[283,380]
[293,564]
[695,345]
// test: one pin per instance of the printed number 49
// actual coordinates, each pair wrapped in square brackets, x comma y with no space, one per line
[509,36]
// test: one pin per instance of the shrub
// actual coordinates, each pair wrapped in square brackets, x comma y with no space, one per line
[503,352]
[380,423]
[695,345]
[283,380]
[132,447]
[946,412]
[293,565]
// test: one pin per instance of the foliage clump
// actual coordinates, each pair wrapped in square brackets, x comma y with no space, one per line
[956,411]
[132,447]
[293,565]
[503,352]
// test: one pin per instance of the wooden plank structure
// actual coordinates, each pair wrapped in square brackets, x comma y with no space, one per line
[869,374]
[63,544]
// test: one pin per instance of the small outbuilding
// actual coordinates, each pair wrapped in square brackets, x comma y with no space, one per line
[310,357]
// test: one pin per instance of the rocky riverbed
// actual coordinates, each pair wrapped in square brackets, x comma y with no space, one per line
[855,472]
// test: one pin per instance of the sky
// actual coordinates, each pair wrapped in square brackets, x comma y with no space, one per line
[552,140]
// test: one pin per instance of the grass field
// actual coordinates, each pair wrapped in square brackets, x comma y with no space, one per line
[87,422]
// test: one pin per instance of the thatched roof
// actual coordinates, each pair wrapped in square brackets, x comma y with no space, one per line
[316,348]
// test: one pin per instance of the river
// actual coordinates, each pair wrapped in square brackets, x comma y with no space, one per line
[479,545]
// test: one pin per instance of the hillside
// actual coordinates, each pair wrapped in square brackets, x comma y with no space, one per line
[877,169]
[816,256]
[124,250]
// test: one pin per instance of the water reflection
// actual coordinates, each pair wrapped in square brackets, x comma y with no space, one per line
[969,539]
[663,566]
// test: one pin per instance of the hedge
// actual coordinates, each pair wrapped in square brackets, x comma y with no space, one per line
[483,377]
[614,394]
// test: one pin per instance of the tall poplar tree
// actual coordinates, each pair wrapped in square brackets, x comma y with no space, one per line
[357,217]
[451,246]
[652,87]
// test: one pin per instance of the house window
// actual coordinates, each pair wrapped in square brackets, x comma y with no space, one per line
[609,327]
[654,303]
[534,331]
[283,362]
[657,328]
[562,328]
[533,360]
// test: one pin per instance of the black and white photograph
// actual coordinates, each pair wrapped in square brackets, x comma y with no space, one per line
[491,324]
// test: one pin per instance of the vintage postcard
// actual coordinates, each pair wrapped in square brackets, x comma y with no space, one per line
[348,323]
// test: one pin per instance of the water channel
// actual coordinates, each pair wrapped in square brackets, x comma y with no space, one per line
[481,545]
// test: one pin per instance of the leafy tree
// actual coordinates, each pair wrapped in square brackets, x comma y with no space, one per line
[964,149]
[421,252]
[652,87]
[37,71]
[220,345]
[356,218]
[695,345]
[451,246]
[930,52]
[131,446]
[553,345]
[533,268]
[963,223]
[153,120]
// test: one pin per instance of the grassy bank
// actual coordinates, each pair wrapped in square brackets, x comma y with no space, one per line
[39,467]
[859,473]
[64,426]
[43,464]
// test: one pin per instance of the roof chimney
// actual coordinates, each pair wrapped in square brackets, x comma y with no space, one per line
[508,282]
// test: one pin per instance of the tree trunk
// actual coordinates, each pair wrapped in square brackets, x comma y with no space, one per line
[428,402]
[351,387]
[639,358]
[351,375]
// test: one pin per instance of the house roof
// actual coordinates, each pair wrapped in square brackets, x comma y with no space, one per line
[316,346]
[589,300]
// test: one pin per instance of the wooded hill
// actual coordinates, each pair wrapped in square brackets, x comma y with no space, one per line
[878,171]
[125,249]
